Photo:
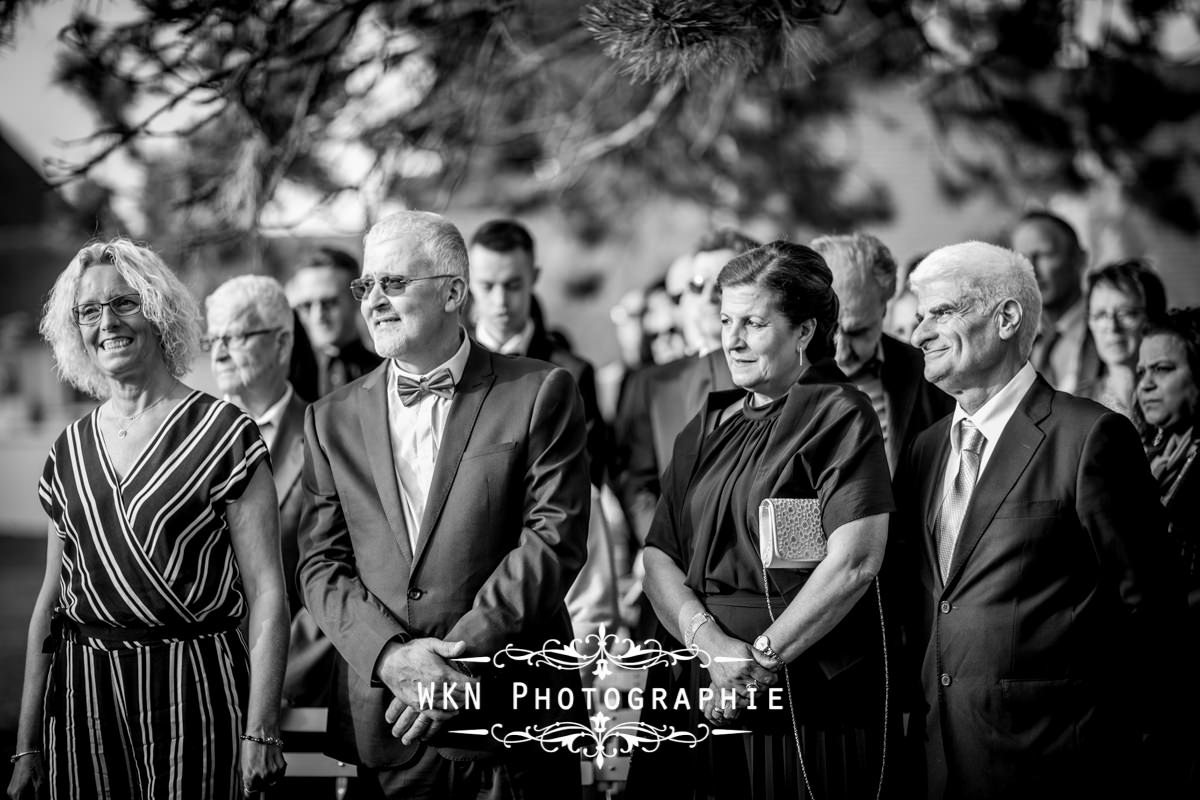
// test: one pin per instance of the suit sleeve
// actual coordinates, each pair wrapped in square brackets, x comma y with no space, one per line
[637,470]
[530,583]
[357,623]
[1117,503]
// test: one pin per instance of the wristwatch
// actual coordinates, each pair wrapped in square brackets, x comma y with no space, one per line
[763,645]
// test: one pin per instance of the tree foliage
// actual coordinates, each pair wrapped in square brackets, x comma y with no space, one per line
[592,105]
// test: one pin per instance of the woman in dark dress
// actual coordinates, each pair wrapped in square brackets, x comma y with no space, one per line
[795,429]
[163,534]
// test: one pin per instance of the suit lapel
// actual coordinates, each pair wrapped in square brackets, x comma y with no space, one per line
[477,380]
[377,441]
[1012,455]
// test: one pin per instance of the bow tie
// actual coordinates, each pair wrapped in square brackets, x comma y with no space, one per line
[410,390]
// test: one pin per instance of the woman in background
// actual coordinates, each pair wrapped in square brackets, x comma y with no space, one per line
[163,532]
[1122,298]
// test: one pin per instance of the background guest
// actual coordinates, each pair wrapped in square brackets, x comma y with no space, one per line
[1063,350]
[1168,393]
[250,332]
[1121,299]
[163,532]
[320,293]
[503,273]
[888,371]
[792,428]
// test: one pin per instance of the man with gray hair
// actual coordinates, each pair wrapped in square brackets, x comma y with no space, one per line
[887,370]
[250,334]
[447,517]
[1043,609]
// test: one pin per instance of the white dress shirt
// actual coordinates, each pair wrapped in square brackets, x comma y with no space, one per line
[991,420]
[517,344]
[416,433]
[268,421]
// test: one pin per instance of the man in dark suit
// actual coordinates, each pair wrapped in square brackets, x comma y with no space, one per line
[250,335]
[503,274]
[319,294]
[887,370]
[658,401]
[1063,350]
[508,320]
[447,515]
[1044,608]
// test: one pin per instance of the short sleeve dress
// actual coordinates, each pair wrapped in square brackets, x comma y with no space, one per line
[821,440]
[150,675]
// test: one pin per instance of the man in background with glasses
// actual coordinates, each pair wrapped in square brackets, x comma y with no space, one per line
[319,294]
[447,516]
[250,337]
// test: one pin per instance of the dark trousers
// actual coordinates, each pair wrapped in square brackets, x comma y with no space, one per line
[512,775]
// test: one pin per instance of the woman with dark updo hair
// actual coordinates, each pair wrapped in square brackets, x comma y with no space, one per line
[794,429]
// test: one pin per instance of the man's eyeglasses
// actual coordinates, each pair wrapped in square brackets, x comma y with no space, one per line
[1122,317]
[324,303]
[232,340]
[125,305]
[391,285]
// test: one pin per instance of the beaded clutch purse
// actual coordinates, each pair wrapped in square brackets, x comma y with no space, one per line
[790,535]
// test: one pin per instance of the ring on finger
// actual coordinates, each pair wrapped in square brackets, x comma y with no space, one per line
[752,686]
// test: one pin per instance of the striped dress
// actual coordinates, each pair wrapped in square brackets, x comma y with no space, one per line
[150,675]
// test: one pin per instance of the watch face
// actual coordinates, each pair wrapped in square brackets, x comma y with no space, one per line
[762,644]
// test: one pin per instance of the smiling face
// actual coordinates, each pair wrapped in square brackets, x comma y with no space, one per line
[1115,320]
[764,350]
[961,343]
[121,347]
[1166,390]
[418,328]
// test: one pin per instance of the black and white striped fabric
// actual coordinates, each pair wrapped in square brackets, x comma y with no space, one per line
[155,717]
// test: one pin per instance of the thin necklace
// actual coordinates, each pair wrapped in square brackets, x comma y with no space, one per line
[124,423]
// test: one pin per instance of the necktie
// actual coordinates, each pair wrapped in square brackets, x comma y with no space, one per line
[410,390]
[1044,344]
[954,508]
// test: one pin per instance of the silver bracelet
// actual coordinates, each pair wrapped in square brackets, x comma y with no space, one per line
[698,619]
[271,740]
[18,756]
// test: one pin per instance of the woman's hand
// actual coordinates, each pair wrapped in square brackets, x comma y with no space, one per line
[28,778]
[738,675]
[262,766]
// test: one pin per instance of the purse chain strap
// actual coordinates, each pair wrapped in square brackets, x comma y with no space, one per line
[787,679]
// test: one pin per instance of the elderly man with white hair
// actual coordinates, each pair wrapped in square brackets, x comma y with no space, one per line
[250,330]
[1042,605]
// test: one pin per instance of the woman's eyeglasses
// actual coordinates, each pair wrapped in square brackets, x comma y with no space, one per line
[232,340]
[1122,317]
[391,285]
[125,305]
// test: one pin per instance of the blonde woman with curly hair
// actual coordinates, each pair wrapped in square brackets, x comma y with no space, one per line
[163,534]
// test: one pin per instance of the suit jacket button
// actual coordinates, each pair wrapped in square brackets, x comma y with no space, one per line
[946,679]
[945,607]
[415,594]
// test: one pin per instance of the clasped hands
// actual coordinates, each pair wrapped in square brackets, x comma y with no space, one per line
[405,669]
[758,672]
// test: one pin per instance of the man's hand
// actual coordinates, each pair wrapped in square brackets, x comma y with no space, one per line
[426,690]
